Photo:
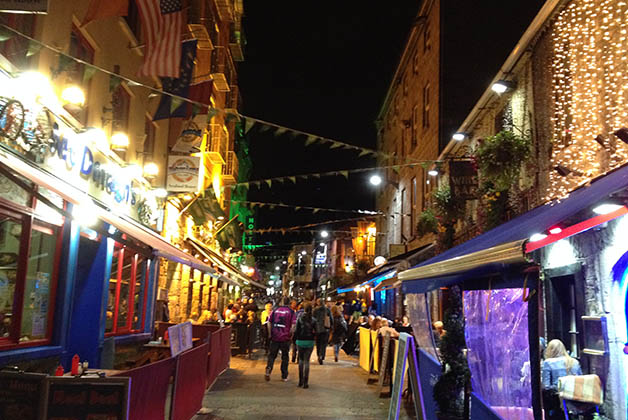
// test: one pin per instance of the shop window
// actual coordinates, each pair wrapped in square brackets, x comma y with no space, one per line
[14,193]
[563,313]
[28,259]
[126,304]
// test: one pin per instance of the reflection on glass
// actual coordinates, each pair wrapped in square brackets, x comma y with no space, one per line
[10,231]
[126,277]
[37,287]
[113,282]
[13,192]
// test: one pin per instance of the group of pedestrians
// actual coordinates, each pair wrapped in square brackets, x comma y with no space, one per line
[305,326]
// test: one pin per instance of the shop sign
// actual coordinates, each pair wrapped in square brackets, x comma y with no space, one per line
[24,6]
[183,173]
[463,179]
[190,139]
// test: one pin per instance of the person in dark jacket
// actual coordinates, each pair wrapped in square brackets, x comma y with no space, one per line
[322,314]
[339,330]
[305,335]
[280,323]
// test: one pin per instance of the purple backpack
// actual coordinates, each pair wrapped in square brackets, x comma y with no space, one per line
[281,324]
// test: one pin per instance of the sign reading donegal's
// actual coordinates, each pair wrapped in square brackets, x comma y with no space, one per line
[24,6]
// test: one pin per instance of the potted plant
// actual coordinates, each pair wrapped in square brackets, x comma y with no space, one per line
[427,223]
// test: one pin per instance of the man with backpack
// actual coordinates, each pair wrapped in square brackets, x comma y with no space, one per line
[280,323]
[322,314]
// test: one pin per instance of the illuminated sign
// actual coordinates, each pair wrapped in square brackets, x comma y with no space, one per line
[183,173]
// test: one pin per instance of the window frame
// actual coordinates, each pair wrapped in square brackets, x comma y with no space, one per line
[86,52]
[29,224]
[415,127]
[426,106]
[127,327]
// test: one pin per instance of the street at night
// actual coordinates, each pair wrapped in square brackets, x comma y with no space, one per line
[246,209]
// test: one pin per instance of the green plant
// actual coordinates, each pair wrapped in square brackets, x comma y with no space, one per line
[499,158]
[427,223]
[448,391]
[448,210]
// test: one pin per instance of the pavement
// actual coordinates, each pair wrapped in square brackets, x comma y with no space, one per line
[337,391]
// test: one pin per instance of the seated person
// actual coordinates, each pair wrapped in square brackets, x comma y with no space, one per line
[557,364]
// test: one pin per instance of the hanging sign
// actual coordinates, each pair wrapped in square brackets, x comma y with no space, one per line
[24,6]
[183,173]
[463,179]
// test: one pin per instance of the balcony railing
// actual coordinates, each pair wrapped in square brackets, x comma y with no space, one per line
[232,100]
[225,9]
[221,73]
[216,144]
[230,169]
[236,41]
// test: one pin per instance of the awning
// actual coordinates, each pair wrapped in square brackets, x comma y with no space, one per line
[75,196]
[507,241]
[221,262]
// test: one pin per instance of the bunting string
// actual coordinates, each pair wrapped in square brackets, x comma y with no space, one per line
[35,46]
[253,204]
[303,227]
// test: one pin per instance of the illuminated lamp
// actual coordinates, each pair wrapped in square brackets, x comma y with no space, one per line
[35,86]
[85,214]
[606,208]
[555,230]
[379,260]
[151,170]
[537,237]
[98,137]
[432,172]
[133,171]
[459,136]
[303,252]
[119,142]
[622,134]
[502,86]
[73,95]
[375,180]
[324,234]
[160,192]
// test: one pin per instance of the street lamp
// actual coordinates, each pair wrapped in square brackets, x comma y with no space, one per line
[324,234]
[375,180]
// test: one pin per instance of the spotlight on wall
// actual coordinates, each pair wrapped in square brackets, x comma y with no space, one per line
[502,86]
[432,172]
[459,136]
[622,134]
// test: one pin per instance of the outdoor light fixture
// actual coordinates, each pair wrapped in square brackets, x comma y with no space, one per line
[432,172]
[160,192]
[606,208]
[187,197]
[324,234]
[555,230]
[98,137]
[221,217]
[151,170]
[85,214]
[303,252]
[537,237]
[459,136]
[622,134]
[564,171]
[322,244]
[277,268]
[119,142]
[284,262]
[133,171]
[36,87]
[375,180]
[502,86]
[73,95]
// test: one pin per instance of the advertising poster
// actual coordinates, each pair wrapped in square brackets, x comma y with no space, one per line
[183,173]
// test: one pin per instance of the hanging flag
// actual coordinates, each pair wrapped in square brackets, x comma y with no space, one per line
[162,21]
[364,152]
[311,140]
[173,107]
[335,145]
[99,9]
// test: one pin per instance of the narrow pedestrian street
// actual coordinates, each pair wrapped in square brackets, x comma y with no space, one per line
[337,391]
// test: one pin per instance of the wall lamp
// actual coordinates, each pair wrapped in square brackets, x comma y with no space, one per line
[502,86]
[459,136]
[564,171]
[622,134]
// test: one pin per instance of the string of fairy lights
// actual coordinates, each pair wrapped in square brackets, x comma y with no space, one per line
[590,83]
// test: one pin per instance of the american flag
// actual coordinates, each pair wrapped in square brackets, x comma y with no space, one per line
[162,21]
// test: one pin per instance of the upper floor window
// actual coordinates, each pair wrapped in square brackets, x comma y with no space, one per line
[426,106]
[415,126]
[120,109]
[415,64]
[16,49]
[149,140]
[427,40]
[79,73]
[133,20]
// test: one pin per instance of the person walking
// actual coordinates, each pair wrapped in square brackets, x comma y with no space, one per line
[280,322]
[339,330]
[305,334]
[298,310]
[322,314]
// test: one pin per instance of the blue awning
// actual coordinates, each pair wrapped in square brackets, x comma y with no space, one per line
[519,229]
[372,282]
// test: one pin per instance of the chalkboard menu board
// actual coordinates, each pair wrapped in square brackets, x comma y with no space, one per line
[406,353]
[22,396]
[87,398]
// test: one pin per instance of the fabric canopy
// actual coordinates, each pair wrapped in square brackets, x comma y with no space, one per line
[75,196]
[515,231]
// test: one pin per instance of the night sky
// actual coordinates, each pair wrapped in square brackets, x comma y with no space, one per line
[324,67]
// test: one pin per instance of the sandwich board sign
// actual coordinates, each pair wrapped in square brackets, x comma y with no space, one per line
[406,353]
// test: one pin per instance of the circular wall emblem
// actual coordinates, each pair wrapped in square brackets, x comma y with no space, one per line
[184,170]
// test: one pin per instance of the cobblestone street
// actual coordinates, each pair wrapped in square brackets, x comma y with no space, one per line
[337,391]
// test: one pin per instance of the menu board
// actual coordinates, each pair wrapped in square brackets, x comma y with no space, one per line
[406,353]
[22,396]
[180,337]
[72,398]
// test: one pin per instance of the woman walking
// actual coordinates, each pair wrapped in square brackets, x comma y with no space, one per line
[339,329]
[305,334]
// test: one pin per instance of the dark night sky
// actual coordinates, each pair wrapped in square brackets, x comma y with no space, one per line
[324,67]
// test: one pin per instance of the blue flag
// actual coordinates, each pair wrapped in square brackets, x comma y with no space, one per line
[179,86]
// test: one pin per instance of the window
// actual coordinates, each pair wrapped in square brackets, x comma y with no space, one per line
[133,19]
[149,141]
[402,210]
[29,252]
[16,49]
[427,40]
[405,85]
[415,64]
[415,126]
[120,106]
[426,106]
[413,219]
[126,304]
[80,48]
